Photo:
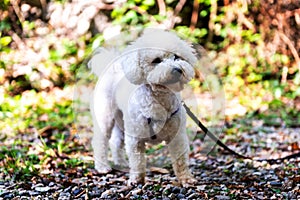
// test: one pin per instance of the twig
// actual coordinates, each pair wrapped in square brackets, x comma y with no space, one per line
[179,7]
[17,10]
[44,8]
[195,15]
[226,2]
[177,10]
[212,17]
[289,43]
[290,13]
[20,44]
[242,18]
[297,18]
[161,7]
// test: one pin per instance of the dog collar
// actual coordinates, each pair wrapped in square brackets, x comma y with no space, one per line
[173,113]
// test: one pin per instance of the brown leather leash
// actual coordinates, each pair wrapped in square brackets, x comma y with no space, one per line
[225,147]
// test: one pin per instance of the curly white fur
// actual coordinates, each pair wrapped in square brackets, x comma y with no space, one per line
[137,101]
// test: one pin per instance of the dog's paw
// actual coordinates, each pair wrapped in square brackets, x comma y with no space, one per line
[136,179]
[103,169]
[187,181]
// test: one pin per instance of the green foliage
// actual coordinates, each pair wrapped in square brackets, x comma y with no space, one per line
[61,145]
[4,4]
[132,12]
[61,1]
[96,41]
[73,162]
[154,148]
[19,112]
[28,25]
[15,160]
[68,48]
[198,35]
[4,41]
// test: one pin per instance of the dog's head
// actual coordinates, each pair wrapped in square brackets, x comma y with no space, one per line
[159,58]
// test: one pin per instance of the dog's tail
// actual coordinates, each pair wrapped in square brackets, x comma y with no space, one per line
[102,58]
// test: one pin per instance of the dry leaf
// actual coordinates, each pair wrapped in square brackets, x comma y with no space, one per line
[159,170]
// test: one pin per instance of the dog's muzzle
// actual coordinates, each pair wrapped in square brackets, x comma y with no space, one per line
[176,73]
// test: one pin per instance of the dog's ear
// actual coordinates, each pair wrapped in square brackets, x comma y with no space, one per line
[133,71]
[101,58]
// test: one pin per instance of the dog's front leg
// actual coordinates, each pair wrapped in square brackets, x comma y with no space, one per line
[137,161]
[179,151]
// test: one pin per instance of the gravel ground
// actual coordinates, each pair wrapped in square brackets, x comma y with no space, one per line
[222,178]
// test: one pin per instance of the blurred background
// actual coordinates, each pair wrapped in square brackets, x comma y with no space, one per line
[254,45]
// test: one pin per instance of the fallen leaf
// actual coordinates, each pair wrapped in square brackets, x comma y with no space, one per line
[159,170]
[295,146]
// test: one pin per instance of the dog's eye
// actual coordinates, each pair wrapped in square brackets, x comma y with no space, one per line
[156,61]
[176,57]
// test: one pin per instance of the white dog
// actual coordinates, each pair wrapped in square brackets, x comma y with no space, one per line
[137,101]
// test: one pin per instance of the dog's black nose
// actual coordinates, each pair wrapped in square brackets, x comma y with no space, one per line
[177,71]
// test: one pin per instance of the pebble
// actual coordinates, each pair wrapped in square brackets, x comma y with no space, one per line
[257,173]
[42,189]
[284,194]
[68,189]
[24,193]
[175,190]
[64,196]
[38,185]
[260,197]
[95,194]
[4,193]
[24,198]
[106,194]
[172,196]
[262,183]
[76,191]
[276,184]
[8,196]
[201,187]
[183,191]
[136,191]
[166,191]
[217,188]
[291,195]
[180,196]
[223,187]
[34,193]
[51,184]
[193,196]
[190,192]
[222,197]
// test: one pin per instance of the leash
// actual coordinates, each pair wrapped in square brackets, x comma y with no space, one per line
[224,146]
